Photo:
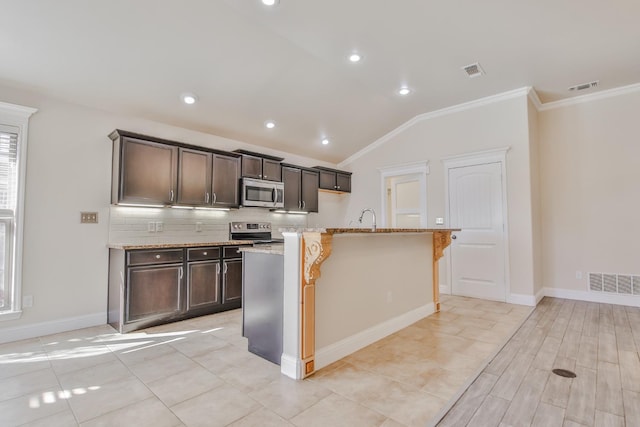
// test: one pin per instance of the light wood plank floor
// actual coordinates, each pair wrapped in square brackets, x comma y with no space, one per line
[599,342]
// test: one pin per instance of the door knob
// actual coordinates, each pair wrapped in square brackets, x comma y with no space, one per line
[453,236]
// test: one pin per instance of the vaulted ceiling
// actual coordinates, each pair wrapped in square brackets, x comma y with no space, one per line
[248,63]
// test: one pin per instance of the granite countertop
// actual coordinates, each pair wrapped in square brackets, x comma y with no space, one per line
[386,230]
[274,249]
[131,246]
[365,230]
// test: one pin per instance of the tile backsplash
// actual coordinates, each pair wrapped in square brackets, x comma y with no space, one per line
[130,225]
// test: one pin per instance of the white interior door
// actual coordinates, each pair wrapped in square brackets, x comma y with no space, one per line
[477,252]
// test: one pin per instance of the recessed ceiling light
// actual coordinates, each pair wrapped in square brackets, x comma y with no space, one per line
[189,98]
[325,141]
[270,2]
[404,91]
[355,57]
[269,124]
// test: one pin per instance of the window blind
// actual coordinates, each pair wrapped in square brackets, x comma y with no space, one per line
[8,170]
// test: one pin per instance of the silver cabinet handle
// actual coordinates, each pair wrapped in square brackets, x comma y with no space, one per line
[215,197]
[260,176]
[304,205]
[264,177]
[225,269]
[204,253]
[171,196]
[454,237]
[180,273]
[206,198]
[158,256]
[338,187]
[218,268]
[299,204]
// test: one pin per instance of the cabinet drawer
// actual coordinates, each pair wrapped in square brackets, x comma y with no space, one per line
[160,256]
[203,254]
[231,252]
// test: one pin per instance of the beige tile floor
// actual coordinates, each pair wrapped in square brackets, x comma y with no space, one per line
[599,342]
[198,373]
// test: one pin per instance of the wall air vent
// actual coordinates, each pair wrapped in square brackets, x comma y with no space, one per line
[584,86]
[473,70]
[624,284]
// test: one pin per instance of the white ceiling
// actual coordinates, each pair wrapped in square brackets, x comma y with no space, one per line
[248,63]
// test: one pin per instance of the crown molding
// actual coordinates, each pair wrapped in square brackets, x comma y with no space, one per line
[524,91]
[609,93]
[535,99]
[20,110]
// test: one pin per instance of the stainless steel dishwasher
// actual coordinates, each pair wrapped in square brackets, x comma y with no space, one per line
[262,303]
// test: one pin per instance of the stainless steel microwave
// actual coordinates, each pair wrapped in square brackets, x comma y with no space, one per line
[265,194]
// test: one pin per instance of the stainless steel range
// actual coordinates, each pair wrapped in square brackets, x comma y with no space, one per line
[258,232]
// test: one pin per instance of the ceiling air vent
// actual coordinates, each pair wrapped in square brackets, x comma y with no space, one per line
[584,86]
[473,70]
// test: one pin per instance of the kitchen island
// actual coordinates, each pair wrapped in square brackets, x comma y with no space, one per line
[373,283]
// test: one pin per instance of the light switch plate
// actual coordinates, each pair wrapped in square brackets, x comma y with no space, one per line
[439,221]
[151,227]
[159,227]
[88,217]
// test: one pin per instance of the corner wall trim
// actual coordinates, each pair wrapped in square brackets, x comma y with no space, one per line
[522,299]
[629,300]
[52,327]
[336,351]
[291,367]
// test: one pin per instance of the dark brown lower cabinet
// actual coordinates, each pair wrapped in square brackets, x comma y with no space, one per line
[232,281]
[152,287]
[153,291]
[203,284]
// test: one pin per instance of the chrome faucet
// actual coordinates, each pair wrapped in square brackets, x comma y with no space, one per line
[373,214]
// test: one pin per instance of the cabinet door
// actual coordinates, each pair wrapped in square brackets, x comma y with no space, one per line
[328,180]
[232,280]
[343,182]
[153,292]
[194,177]
[203,284]
[226,175]
[309,191]
[271,170]
[251,166]
[291,180]
[148,172]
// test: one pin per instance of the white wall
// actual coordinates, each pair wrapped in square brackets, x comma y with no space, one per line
[489,125]
[590,184]
[69,171]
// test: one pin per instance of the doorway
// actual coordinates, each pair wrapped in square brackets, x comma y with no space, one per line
[404,195]
[476,203]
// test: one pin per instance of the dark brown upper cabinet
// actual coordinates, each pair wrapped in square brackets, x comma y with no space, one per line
[149,170]
[260,166]
[334,180]
[144,172]
[225,182]
[300,188]
[194,178]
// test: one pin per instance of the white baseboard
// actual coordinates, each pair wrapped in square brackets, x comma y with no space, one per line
[539,295]
[291,367]
[52,327]
[336,351]
[602,297]
[522,299]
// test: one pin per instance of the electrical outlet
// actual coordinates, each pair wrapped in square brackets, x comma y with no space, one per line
[198,227]
[439,221]
[578,274]
[159,226]
[88,217]
[151,227]
[27,301]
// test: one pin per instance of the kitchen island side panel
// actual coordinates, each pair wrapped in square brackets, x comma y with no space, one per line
[370,279]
